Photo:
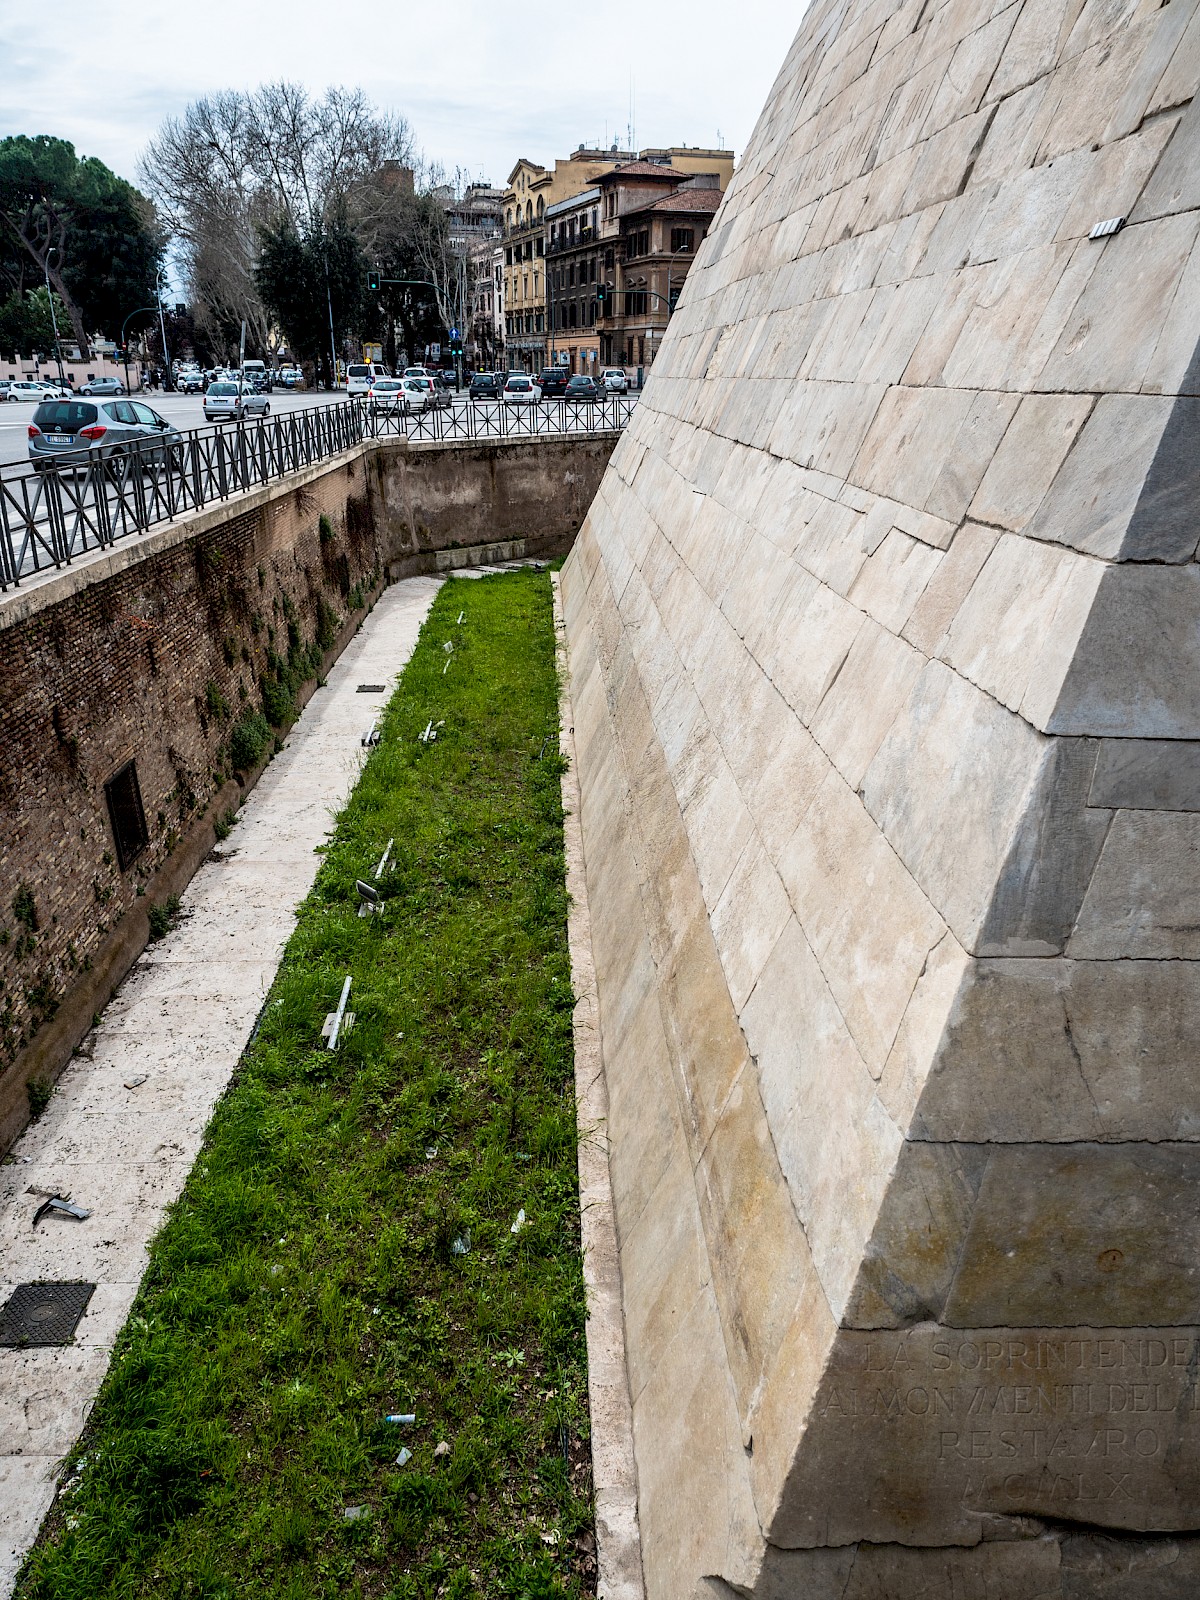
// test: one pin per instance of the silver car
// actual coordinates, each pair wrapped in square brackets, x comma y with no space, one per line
[223,403]
[104,386]
[73,432]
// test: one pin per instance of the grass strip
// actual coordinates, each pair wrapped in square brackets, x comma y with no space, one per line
[344,1248]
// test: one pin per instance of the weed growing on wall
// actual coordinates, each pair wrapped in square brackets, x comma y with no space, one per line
[347,1249]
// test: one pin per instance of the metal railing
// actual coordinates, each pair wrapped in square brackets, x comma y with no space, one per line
[54,514]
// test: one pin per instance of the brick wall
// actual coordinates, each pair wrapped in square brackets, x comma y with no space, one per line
[155,661]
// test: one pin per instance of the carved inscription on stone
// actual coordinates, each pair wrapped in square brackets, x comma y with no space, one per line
[941,1428]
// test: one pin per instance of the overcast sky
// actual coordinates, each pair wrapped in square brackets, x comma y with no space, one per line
[481,83]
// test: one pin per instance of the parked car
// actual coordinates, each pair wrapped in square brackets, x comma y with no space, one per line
[27,389]
[581,387]
[485,386]
[105,386]
[520,390]
[615,380]
[222,403]
[291,377]
[400,396]
[436,398]
[72,432]
[553,382]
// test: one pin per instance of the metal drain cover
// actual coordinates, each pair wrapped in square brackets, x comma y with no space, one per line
[43,1313]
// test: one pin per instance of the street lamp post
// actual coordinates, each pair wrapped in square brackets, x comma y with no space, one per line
[124,346]
[162,328]
[54,317]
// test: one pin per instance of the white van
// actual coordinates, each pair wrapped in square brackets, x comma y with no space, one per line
[360,375]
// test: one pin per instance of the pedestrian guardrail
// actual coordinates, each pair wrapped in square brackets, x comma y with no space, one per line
[51,515]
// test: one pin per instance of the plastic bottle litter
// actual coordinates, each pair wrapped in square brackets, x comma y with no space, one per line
[519,1223]
[401,1416]
[404,1457]
[355,1513]
[462,1244]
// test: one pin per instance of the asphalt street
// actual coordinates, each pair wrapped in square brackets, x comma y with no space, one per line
[186,411]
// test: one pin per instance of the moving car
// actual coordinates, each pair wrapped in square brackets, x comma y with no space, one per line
[437,399]
[553,382]
[485,386]
[72,432]
[360,375]
[190,383]
[615,380]
[520,390]
[581,387]
[222,403]
[257,375]
[105,386]
[401,396]
[27,389]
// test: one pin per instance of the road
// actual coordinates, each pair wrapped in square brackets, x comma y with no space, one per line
[184,410]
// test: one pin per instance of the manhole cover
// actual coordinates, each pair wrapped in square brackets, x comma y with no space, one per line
[43,1313]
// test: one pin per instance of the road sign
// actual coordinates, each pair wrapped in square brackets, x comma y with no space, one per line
[435,351]
[453,335]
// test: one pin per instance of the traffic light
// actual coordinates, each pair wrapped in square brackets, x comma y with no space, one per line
[373,280]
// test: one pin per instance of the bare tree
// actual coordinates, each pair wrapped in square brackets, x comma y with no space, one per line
[237,163]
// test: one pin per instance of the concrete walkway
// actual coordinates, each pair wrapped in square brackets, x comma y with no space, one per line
[180,1022]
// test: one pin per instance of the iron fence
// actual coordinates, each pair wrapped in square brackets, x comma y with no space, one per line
[52,515]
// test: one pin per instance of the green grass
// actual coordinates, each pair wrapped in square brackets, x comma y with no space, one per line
[307,1283]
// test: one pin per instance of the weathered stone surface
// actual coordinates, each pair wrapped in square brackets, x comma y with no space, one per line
[1147,775]
[887,632]
[925,1436]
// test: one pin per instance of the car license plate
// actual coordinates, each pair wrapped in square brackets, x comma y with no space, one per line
[61,438]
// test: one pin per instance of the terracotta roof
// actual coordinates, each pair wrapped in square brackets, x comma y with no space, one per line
[695,200]
[644,169]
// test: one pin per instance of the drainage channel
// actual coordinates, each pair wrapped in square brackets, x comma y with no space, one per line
[127,1119]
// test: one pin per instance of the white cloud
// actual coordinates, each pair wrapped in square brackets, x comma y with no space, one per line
[482,84]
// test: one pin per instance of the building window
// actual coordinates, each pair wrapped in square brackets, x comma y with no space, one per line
[682,239]
[608,258]
[125,812]
[573,315]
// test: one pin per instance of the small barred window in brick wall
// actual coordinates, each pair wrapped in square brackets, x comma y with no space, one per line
[124,797]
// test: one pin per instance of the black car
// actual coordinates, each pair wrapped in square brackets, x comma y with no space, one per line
[553,382]
[581,387]
[485,386]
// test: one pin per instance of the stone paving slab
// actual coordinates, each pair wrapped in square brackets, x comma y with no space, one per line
[182,1018]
